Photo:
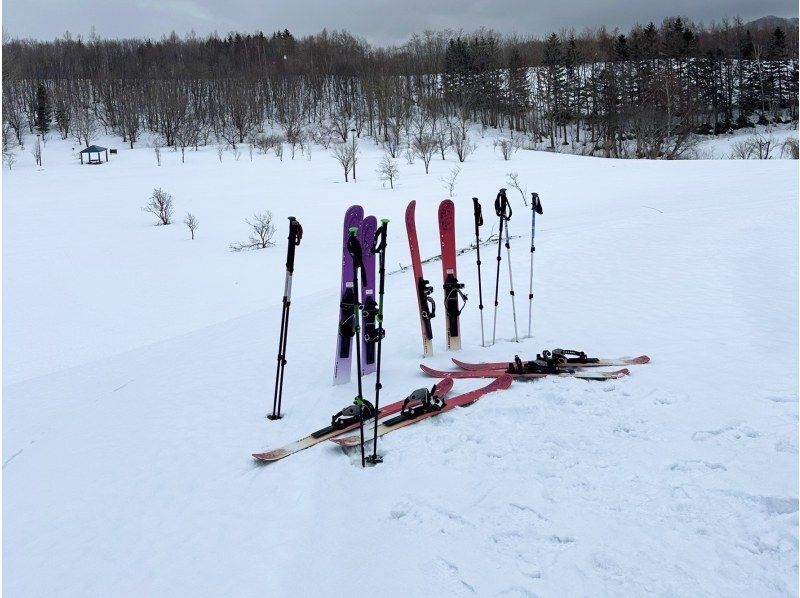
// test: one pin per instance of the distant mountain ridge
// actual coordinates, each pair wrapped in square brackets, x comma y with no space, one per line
[771,21]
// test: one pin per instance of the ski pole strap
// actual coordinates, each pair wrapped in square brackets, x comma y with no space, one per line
[476,204]
[536,203]
[501,206]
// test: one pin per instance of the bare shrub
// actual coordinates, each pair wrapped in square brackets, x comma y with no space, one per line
[191,222]
[789,148]
[758,146]
[388,170]
[160,205]
[157,150]
[220,151]
[261,233]
[450,181]
[36,152]
[278,150]
[409,156]
[507,147]
[512,179]
[9,157]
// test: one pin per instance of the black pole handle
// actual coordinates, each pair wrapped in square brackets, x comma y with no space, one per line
[476,204]
[295,236]
[501,206]
[536,203]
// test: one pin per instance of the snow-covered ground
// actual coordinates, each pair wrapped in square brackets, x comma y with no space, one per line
[138,367]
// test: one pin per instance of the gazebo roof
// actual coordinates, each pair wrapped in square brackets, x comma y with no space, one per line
[93,149]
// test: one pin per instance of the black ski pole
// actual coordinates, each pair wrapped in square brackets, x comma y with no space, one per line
[354,249]
[510,276]
[295,236]
[536,208]
[478,223]
[379,247]
[500,207]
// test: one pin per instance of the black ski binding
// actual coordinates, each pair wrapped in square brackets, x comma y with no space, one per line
[452,292]
[360,410]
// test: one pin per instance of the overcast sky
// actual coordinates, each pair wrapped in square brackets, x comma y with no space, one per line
[381,22]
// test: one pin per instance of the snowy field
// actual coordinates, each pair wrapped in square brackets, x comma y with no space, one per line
[138,366]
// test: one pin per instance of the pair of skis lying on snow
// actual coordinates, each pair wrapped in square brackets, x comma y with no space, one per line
[423,404]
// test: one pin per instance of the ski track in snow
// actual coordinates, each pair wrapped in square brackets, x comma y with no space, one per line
[136,388]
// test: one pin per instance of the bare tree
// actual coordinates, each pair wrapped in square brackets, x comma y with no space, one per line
[460,140]
[36,152]
[9,157]
[450,181]
[409,156]
[160,205]
[220,151]
[278,149]
[388,170]
[191,222]
[345,155]
[84,126]
[261,232]
[424,147]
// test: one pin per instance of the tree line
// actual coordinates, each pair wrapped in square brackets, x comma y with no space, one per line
[642,93]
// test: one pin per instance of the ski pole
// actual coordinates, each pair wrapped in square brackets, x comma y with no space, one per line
[478,223]
[503,211]
[354,249]
[510,277]
[536,208]
[379,247]
[295,236]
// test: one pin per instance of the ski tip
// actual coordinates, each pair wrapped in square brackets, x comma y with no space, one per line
[347,441]
[621,373]
[504,381]
[642,359]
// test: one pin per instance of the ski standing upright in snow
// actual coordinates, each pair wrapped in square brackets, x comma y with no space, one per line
[452,287]
[347,325]
[295,236]
[422,288]
[369,307]
[478,212]
[536,208]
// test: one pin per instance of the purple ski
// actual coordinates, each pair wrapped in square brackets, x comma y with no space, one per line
[369,311]
[347,324]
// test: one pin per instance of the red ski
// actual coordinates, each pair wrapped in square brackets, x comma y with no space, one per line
[410,416]
[440,389]
[422,289]
[499,373]
[592,363]
[452,288]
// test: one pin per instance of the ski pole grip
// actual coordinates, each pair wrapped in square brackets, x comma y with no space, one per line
[295,234]
[478,211]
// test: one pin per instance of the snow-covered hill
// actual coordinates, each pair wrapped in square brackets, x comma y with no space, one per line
[138,367]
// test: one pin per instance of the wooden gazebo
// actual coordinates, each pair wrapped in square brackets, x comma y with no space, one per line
[94,150]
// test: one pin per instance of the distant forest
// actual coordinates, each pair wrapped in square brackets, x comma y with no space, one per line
[644,93]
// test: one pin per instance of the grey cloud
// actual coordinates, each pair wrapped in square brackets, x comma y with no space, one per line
[381,22]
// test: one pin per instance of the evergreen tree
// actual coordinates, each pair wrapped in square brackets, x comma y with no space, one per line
[44,110]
